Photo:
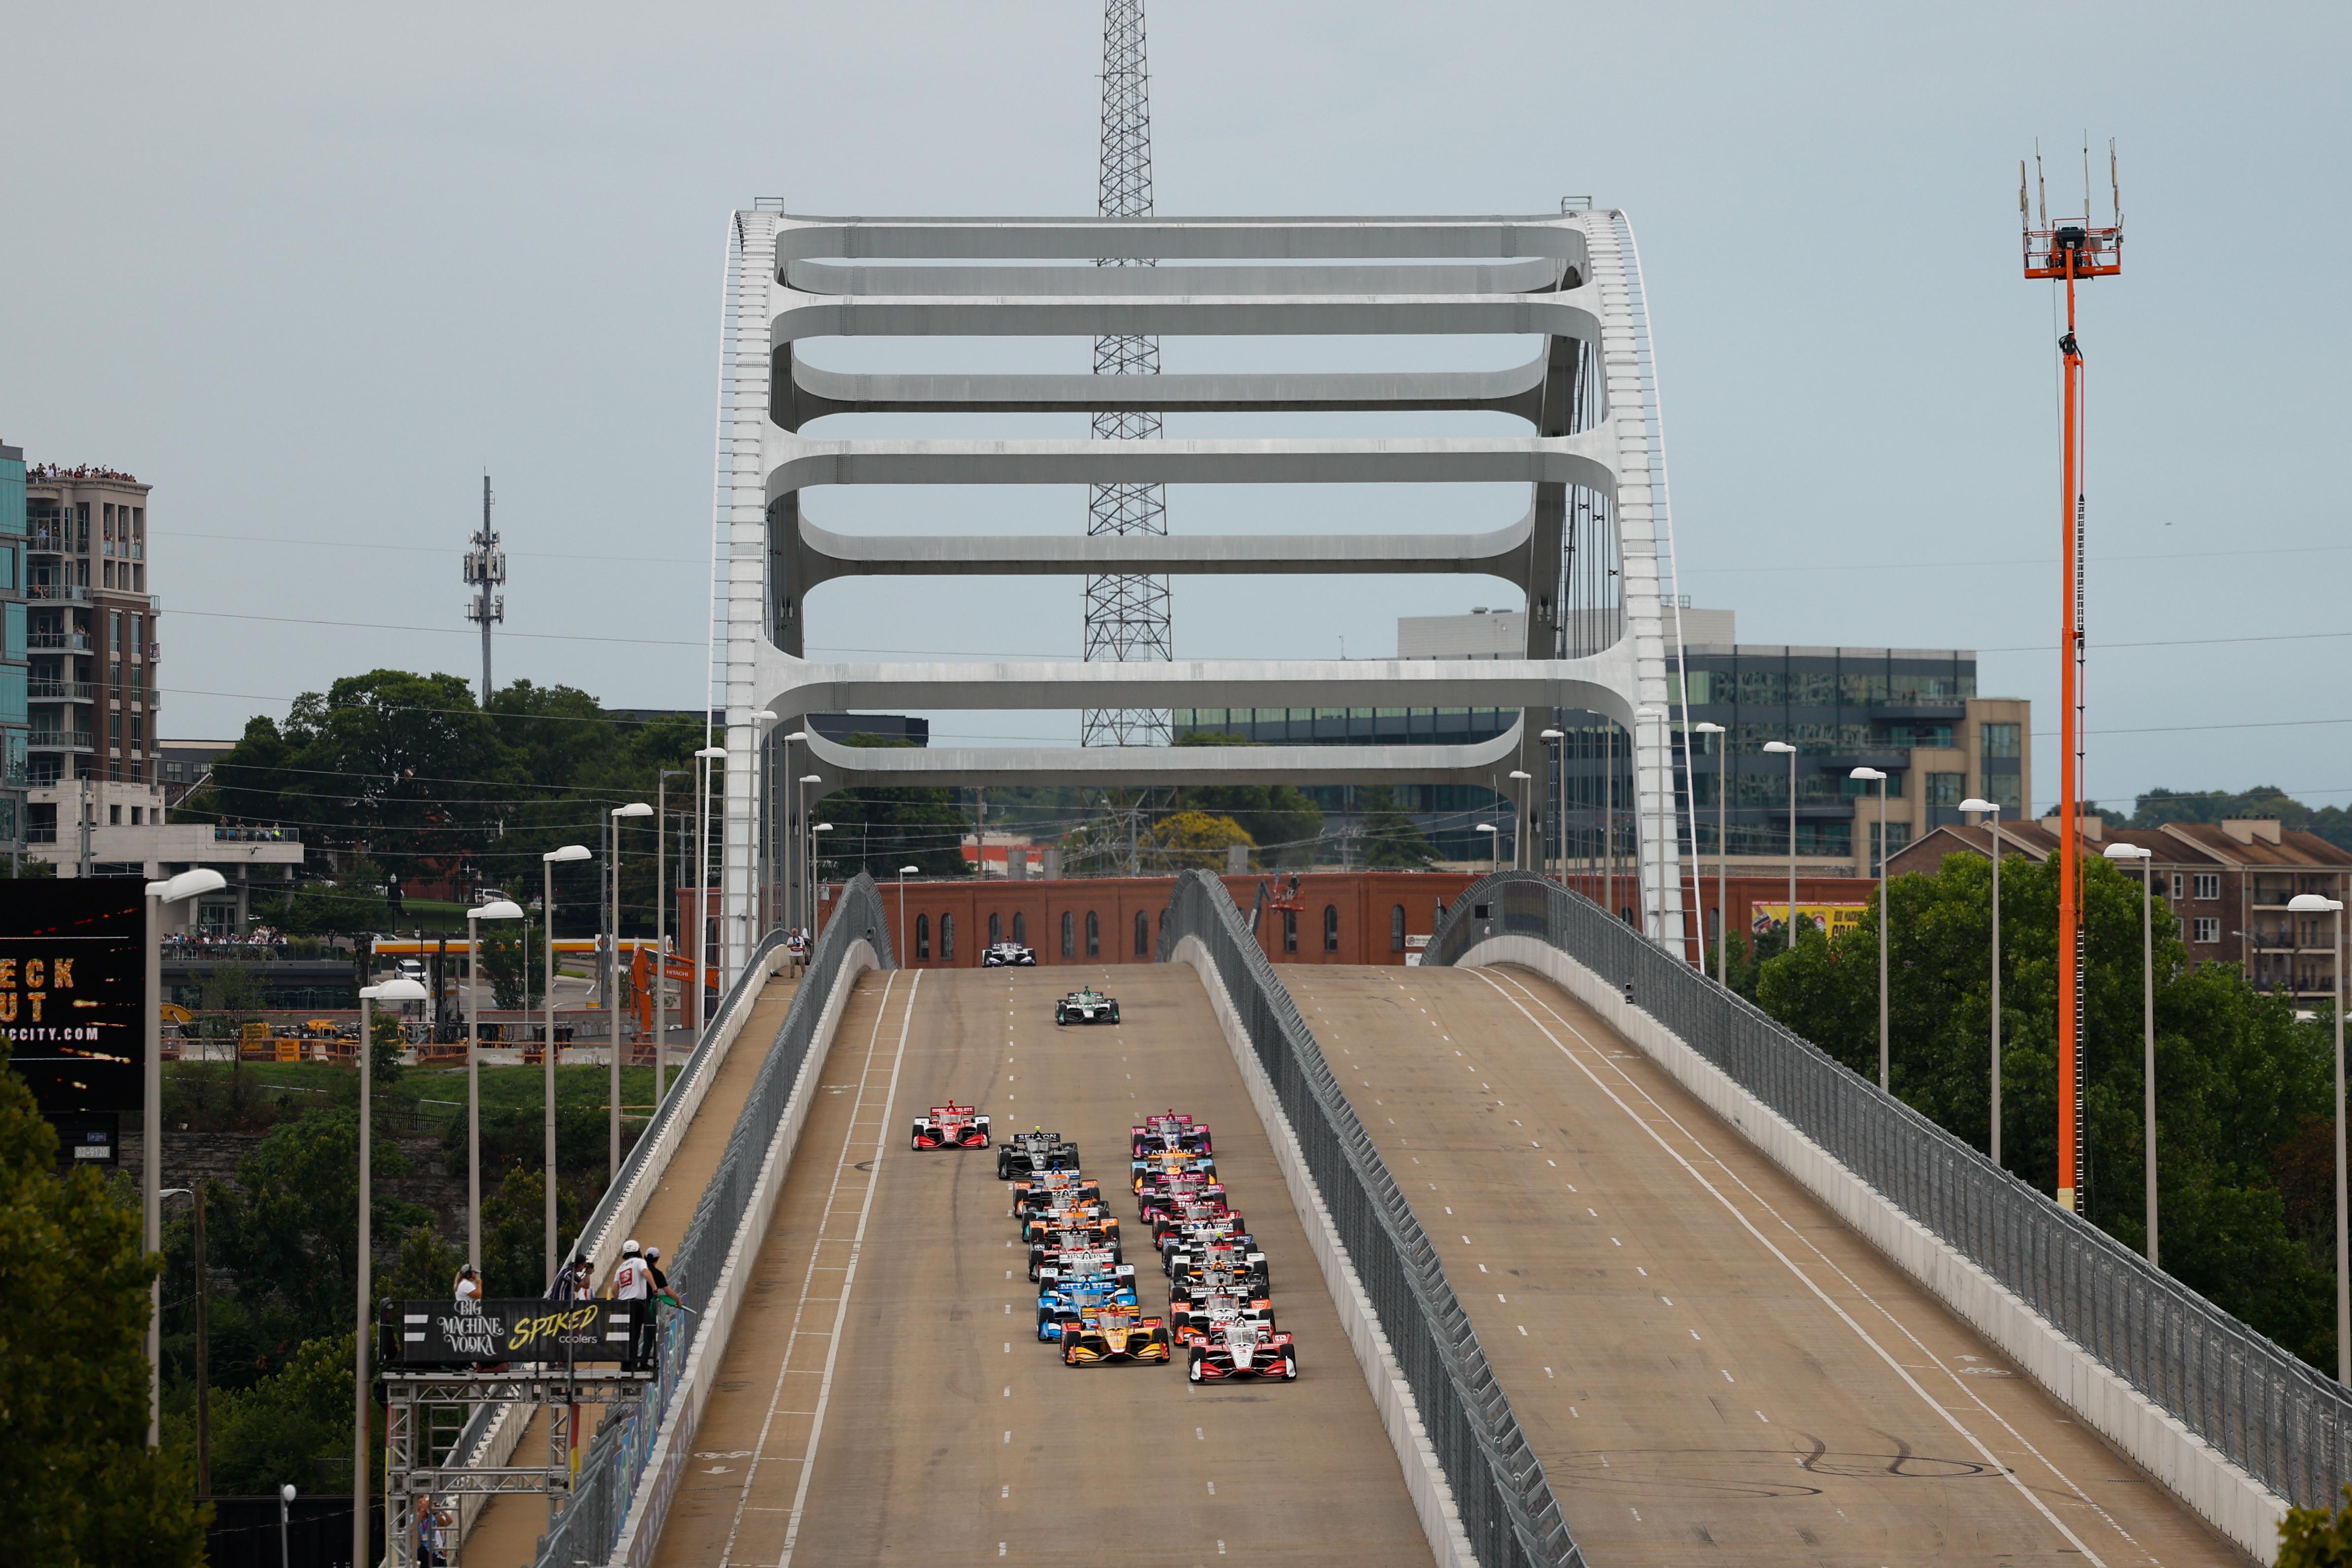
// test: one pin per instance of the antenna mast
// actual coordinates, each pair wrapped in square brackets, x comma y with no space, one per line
[486,569]
[2071,251]
[1127,612]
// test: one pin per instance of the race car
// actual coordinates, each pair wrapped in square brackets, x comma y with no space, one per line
[1167,1132]
[1153,1170]
[951,1128]
[1087,1006]
[1009,956]
[1080,1266]
[1185,1221]
[1061,1298]
[1224,1266]
[1037,1194]
[1114,1334]
[1035,1153]
[1089,1218]
[1203,1315]
[1244,1350]
[1056,1246]
[1197,1240]
[1155,1203]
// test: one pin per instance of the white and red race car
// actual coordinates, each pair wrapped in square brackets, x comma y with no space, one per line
[1242,1349]
[951,1128]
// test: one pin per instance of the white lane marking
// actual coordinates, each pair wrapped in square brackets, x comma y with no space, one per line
[1007,1491]
[1008,1391]
[783,1367]
[1500,1297]
[1575,1412]
[1694,1334]
[1008,1433]
[1523,1329]
[1204,1437]
[1763,1418]
[1212,1489]
[2008,1471]
[1008,1347]
[1547,1372]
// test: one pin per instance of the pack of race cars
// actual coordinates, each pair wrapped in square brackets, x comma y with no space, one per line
[1219,1302]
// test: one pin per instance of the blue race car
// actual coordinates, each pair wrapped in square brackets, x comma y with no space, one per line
[1061,1298]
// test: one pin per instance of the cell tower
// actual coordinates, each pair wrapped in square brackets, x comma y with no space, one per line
[2071,250]
[1127,612]
[486,569]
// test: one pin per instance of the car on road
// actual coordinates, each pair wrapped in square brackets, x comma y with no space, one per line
[1087,1006]
[1168,1132]
[1035,1153]
[1055,1249]
[1061,1298]
[1037,1195]
[1009,956]
[1199,1316]
[1244,1350]
[1115,1333]
[951,1128]
[1221,1267]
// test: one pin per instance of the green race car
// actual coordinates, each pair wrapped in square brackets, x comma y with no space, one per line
[1088,1006]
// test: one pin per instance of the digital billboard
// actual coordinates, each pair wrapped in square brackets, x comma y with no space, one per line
[73,991]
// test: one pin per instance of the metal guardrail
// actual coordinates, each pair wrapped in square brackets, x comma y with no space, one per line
[1505,1501]
[616,1455]
[2275,1416]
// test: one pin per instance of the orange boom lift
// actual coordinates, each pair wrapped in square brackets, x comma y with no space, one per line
[2071,250]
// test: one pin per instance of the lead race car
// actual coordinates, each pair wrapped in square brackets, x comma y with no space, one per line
[1033,1153]
[1009,956]
[951,1128]
[1086,1005]
[1169,1133]
[1242,1349]
[1115,1333]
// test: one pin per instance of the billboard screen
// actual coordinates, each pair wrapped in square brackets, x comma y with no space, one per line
[73,981]
[1833,918]
[424,1335]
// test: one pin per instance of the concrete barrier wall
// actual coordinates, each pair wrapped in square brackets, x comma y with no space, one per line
[641,1528]
[1424,1477]
[2233,1501]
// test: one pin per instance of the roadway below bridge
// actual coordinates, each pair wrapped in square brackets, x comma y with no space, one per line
[1711,1368]
[885,1398]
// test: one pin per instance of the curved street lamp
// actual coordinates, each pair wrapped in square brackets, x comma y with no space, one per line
[1722,857]
[548,862]
[2123,853]
[496,909]
[1886,919]
[400,990]
[2313,903]
[173,889]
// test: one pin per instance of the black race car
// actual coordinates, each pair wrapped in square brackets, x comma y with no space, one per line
[1035,1153]
[1009,956]
[1087,1006]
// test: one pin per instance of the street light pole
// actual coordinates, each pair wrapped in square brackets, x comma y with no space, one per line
[1519,776]
[2147,859]
[496,909]
[707,757]
[764,723]
[186,886]
[1722,856]
[906,954]
[401,990]
[613,985]
[796,870]
[1991,813]
[1886,919]
[810,925]
[801,791]
[2311,902]
[1654,916]
[1781,746]
[662,898]
[1556,753]
[547,864]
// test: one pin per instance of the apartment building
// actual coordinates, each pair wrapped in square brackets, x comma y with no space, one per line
[2225,886]
[94,636]
[15,713]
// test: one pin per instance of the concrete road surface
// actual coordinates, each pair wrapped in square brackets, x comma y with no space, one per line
[885,1400]
[1710,1366]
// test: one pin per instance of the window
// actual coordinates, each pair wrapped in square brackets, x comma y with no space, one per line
[1069,934]
[947,938]
[137,814]
[114,632]
[1396,929]
[138,640]
[114,816]
[2001,740]
[1946,789]
[922,937]
[2209,928]
[1142,935]
[1899,834]
[995,929]
[1021,927]
[2208,885]
[1094,934]
[1290,931]
[2178,881]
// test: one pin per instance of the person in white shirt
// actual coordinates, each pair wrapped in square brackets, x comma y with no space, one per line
[632,1281]
[469,1284]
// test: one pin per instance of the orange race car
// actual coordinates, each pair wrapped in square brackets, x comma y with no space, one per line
[1114,1334]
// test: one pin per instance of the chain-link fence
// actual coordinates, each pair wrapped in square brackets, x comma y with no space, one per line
[2269,1412]
[617,1454]
[1506,1504]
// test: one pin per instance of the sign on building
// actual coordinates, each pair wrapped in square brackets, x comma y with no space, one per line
[73,995]
[1832,918]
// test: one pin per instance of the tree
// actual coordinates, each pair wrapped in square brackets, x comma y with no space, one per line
[1278,818]
[515,961]
[514,1232]
[78,1483]
[2238,1075]
[289,1227]
[294,1425]
[1391,839]
[1192,841]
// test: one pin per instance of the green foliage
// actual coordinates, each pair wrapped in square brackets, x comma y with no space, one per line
[879,830]
[514,1232]
[294,1425]
[25,868]
[78,1483]
[1391,839]
[1279,818]
[514,960]
[427,1268]
[2317,1537]
[387,1038]
[289,1226]
[233,987]
[2158,807]
[2238,1078]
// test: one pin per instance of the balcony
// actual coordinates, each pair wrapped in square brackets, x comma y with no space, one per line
[69,642]
[62,691]
[59,592]
[47,541]
[223,834]
[60,740]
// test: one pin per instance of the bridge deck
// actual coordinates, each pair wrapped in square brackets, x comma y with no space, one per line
[1710,1366]
[948,1433]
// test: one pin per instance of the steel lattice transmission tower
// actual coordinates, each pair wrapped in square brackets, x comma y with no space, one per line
[1127,612]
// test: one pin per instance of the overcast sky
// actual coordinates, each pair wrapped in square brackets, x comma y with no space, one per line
[310,270]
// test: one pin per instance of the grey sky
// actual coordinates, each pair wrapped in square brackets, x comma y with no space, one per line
[308,271]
